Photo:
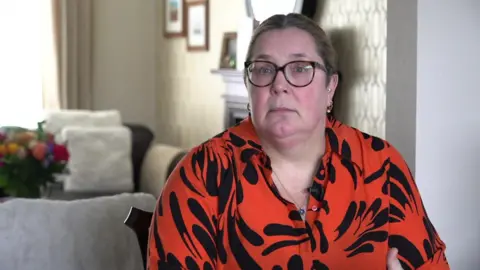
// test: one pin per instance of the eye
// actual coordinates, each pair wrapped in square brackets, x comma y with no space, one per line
[265,70]
[301,67]
[262,68]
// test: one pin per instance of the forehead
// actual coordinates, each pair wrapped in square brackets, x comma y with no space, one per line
[285,44]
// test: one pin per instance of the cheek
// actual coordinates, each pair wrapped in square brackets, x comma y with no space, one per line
[259,100]
[314,101]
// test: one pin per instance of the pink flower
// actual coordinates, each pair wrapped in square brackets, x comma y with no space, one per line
[60,153]
[39,151]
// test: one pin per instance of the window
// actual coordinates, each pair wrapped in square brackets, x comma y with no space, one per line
[23,26]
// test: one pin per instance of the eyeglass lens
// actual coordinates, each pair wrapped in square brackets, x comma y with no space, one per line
[297,73]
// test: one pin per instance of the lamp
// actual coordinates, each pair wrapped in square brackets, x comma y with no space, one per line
[262,9]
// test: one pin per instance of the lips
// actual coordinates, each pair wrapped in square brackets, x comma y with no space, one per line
[281,109]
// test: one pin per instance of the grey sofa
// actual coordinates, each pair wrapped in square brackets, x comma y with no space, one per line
[87,233]
[70,235]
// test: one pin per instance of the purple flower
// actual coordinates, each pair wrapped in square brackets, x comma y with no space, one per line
[50,147]
[47,161]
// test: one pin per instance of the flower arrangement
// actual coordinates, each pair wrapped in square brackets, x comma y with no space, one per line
[29,159]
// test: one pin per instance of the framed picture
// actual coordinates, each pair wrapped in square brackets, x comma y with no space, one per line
[174,23]
[197,25]
[228,57]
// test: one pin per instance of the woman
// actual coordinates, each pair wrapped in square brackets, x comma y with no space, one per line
[290,187]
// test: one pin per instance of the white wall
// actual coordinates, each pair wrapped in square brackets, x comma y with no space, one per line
[443,112]
[124,35]
[448,123]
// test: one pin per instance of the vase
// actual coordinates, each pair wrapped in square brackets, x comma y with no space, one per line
[2,194]
[30,191]
[4,199]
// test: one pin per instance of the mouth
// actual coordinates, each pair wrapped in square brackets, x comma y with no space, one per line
[281,109]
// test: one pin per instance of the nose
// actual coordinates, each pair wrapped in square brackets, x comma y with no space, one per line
[280,84]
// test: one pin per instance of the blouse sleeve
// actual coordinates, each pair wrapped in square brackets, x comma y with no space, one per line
[183,230]
[411,231]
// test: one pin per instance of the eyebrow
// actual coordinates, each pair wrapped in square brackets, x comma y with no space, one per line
[293,55]
[298,55]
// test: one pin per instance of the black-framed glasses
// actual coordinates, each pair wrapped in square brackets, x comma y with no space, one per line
[297,73]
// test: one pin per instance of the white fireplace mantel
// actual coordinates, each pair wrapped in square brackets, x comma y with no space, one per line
[235,95]
[234,85]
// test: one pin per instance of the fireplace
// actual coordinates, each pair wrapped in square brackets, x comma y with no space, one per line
[235,96]
[235,110]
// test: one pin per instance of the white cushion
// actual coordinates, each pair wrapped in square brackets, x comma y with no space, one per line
[100,159]
[70,235]
[56,121]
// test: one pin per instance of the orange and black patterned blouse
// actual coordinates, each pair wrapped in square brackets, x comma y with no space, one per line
[220,209]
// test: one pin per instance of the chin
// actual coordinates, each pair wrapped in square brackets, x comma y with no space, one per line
[282,130]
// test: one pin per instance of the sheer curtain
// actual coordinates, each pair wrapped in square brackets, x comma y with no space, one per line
[26,34]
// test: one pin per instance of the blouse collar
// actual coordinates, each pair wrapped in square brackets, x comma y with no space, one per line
[334,138]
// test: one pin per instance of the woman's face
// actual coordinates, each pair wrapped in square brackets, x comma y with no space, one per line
[281,109]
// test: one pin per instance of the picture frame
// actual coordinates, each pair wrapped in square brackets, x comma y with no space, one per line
[228,57]
[197,14]
[174,24]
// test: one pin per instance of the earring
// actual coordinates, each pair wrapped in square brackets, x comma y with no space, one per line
[329,90]
[330,108]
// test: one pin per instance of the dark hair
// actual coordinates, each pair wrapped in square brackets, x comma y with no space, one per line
[322,42]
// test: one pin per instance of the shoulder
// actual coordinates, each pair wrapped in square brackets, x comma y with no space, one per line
[223,145]
[235,139]
[189,177]
[204,166]
[367,151]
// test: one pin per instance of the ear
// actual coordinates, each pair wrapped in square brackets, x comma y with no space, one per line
[332,85]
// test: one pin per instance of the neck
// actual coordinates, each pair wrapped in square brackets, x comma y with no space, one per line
[301,152]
